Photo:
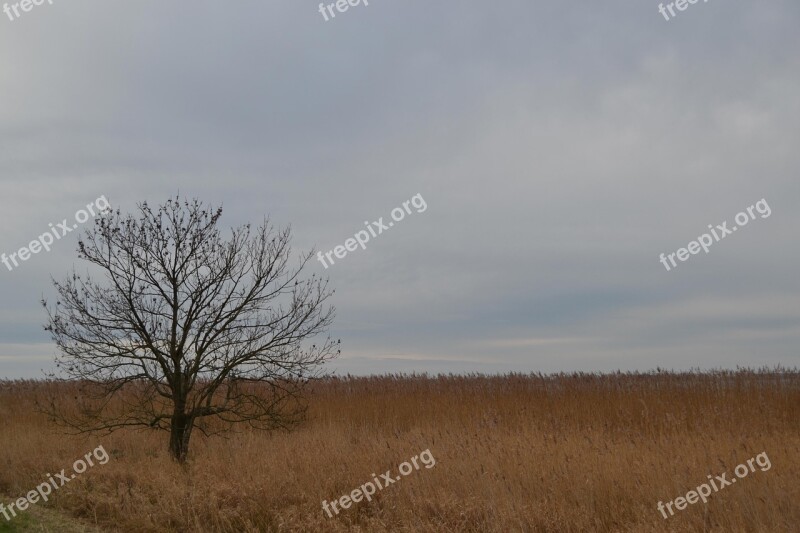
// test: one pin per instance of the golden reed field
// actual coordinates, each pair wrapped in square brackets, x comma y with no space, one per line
[577,452]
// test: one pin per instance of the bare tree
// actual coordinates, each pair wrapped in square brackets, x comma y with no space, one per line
[188,330]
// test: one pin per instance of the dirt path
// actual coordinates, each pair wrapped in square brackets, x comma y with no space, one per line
[42,519]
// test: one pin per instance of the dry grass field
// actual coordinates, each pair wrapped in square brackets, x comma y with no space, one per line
[515,453]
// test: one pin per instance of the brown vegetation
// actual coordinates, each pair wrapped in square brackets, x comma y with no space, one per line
[516,453]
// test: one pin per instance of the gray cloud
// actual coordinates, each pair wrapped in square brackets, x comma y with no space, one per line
[560,148]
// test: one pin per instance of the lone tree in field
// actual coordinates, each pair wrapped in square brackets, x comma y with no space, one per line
[187,330]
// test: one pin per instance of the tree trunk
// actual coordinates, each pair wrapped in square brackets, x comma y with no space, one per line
[180,433]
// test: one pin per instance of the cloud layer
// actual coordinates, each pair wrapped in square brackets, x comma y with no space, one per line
[560,149]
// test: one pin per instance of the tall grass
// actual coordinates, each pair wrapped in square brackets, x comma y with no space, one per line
[577,452]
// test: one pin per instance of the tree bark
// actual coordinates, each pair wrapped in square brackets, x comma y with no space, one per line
[180,433]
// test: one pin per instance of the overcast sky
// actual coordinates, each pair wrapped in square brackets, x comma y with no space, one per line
[560,148]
